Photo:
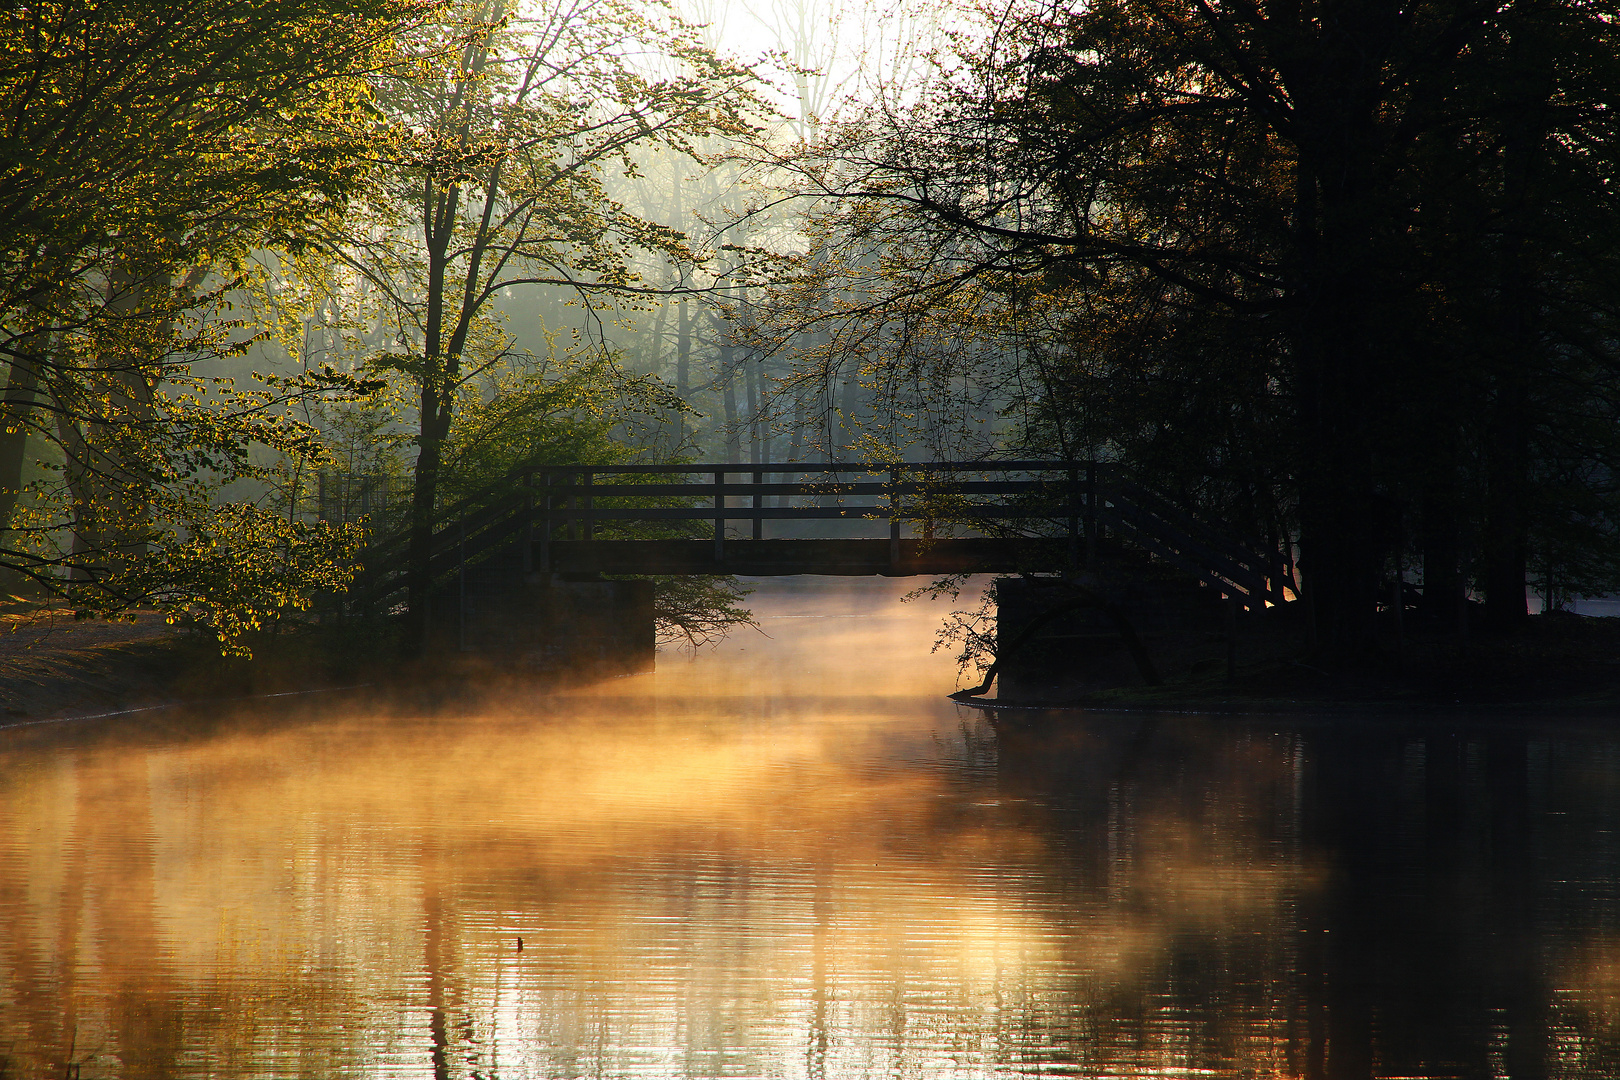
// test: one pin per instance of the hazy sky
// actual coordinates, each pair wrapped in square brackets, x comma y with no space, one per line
[852,46]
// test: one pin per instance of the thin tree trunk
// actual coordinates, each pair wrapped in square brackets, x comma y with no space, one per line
[848,407]
[683,358]
[729,398]
[659,322]
[758,453]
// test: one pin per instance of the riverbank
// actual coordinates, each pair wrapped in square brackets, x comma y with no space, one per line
[1560,662]
[54,666]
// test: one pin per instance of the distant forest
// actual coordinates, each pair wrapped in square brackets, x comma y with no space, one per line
[281,276]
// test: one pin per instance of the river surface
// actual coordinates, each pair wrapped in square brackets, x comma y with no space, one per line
[793,857]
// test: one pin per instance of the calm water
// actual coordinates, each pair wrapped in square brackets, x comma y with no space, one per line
[792,857]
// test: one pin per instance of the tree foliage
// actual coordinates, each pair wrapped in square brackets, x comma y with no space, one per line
[148,149]
[498,184]
[1345,269]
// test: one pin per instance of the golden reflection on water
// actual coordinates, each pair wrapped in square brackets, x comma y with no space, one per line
[791,857]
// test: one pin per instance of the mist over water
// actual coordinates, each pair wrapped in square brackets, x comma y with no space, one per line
[792,856]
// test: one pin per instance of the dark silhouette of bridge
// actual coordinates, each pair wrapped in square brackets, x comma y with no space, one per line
[1002,517]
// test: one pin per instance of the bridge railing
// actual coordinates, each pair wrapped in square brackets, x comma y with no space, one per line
[930,492]
[1075,501]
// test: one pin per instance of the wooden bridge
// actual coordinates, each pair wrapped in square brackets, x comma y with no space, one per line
[1025,516]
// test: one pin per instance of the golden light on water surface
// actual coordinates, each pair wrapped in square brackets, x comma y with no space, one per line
[792,857]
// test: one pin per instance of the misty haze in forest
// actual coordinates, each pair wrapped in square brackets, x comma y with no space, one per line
[292,276]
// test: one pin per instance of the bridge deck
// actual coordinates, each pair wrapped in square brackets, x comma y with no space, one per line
[837,558]
[1065,508]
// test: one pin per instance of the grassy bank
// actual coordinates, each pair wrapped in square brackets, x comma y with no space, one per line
[52,665]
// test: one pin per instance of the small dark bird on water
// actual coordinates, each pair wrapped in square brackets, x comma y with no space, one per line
[520,944]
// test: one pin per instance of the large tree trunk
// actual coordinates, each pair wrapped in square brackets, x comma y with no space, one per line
[30,354]
[104,426]
[434,426]
[1507,520]
[433,416]
[1441,536]
[87,532]
[19,407]
[1341,553]
[1507,433]
[1341,550]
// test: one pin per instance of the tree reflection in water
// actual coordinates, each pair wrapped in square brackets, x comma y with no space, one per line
[715,875]
[1456,885]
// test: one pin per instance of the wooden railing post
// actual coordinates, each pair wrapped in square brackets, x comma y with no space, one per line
[568,508]
[1101,499]
[590,504]
[719,516]
[1091,514]
[1072,498]
[930,479]
[545,521]
[759,522]
[894,516]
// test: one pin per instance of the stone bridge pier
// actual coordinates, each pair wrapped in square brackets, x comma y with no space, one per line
[540,621]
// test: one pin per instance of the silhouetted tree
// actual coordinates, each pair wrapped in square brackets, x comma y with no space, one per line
[1355,259]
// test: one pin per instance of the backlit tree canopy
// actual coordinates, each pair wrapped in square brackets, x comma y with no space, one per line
[510,137]
[145,151]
